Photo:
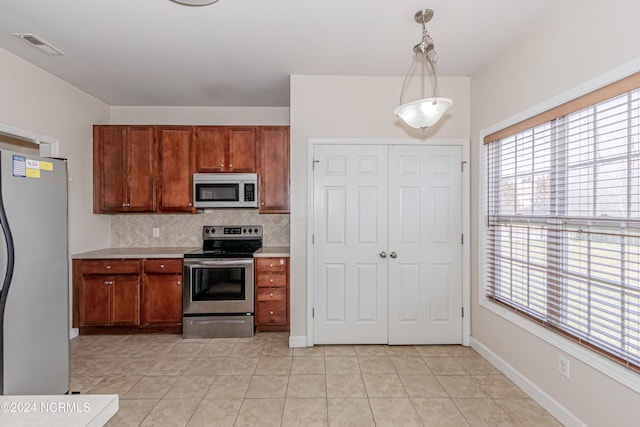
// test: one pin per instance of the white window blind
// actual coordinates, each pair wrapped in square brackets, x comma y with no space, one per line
[563,223]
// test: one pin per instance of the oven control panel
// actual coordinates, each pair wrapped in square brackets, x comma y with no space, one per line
[231,232]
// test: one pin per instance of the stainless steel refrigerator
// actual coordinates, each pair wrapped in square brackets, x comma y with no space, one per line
[34,275]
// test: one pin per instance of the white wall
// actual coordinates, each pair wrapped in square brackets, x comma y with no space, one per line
[349,107]
[579,41]
[37,101]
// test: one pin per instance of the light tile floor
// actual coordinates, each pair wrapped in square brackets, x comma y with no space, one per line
[164,380]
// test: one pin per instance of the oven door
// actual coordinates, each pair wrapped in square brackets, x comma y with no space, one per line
[218,286]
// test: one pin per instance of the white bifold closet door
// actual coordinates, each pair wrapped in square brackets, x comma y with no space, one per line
[387,250]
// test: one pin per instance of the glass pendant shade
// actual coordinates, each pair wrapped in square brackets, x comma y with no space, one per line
[423,113]
[195,2]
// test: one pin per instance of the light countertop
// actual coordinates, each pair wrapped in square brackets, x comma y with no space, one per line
[167,252]
[272,251]
[161,252]
[69,410]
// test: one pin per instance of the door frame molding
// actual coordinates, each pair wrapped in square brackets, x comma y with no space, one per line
[49,147]
[464,144]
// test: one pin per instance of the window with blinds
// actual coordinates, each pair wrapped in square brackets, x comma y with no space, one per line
[563,220]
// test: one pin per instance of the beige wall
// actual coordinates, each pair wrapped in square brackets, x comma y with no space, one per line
[349,107]
[37,101]
[580,41]
[264,116]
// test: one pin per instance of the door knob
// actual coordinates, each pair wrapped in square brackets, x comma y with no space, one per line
[393,255]
[383,254]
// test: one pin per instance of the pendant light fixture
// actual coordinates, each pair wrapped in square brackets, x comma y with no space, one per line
[424,112]
[195,2]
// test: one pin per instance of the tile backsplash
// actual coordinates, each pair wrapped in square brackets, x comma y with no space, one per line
[129,230]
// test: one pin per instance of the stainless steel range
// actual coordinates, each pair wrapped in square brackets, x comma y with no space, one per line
[218,294]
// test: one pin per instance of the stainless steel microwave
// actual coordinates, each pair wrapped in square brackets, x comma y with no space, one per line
[225,190]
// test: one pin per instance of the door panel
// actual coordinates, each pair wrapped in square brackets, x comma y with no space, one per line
[350,204]
[425,220]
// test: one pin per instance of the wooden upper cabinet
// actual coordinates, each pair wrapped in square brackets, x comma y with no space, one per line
[176,166]
[211,149]
[123,169]
[274,169]
[141,189]
[226,149]
[242,149]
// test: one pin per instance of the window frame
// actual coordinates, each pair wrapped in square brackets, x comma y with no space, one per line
[582,96]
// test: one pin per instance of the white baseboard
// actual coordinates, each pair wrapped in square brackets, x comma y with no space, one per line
[297,342]
[535,392]
[73,332]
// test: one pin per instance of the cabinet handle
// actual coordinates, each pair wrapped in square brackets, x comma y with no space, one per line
[108,283]
[230,165]
[221,165]
[271,294]
[271,312]
[124,205]
[161,265]
[190,204]
[262,204]
[271,280]
[108,267]
[179,282]
[271,265]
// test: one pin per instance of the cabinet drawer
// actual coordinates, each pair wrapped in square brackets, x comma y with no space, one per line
[271,312]
[271,264]
[110,266]
[272,294]
[276,280]
[163,265]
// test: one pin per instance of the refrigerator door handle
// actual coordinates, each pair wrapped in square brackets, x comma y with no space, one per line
[10,257]
[6,280]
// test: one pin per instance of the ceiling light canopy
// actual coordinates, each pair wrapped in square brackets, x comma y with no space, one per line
[425,112]
[195,2]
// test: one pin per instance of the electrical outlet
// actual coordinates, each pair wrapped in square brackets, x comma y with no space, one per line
[564,367]
[156,232]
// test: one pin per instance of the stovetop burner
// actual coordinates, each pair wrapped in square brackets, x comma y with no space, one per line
[219,241]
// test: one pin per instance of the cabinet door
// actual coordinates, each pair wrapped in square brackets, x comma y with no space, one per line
[211,149]
[95,300]
[162,299]
[243,148]
[141,187]
[176,167]
[109,174]
[125,300]
[123,169]
[274,170]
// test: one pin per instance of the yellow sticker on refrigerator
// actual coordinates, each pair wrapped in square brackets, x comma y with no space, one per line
[33,173]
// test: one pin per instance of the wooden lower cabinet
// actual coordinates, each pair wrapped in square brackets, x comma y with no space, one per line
[162,292]
[127,295]
[272,294]
[109,293]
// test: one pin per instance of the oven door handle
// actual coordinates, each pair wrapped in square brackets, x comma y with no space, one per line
[218,262]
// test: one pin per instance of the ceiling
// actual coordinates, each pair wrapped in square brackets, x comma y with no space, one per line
[242,52]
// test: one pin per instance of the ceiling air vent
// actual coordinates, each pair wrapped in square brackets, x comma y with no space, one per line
[39,44]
